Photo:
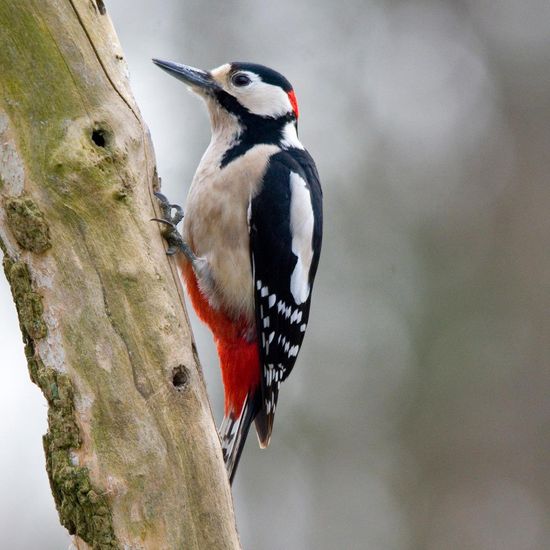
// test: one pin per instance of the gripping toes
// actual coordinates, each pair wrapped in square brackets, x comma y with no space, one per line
[167,209]
[172,214]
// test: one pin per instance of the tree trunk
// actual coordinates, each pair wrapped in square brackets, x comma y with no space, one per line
[132,453]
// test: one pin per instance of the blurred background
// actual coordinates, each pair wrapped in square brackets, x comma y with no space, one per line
[418,417]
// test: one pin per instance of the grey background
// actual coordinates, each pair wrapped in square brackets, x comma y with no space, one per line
[418,415]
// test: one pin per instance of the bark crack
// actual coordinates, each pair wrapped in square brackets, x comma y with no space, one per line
[152,199]
[115,88]
[100,61]
[141,383]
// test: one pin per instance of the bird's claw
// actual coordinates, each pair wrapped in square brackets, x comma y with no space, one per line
[167,208]
[165,222]
[170,233]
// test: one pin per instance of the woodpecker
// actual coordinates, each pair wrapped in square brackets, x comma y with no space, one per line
[251,239]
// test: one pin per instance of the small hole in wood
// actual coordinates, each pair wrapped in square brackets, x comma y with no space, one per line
[99,137]
[101,7]
[180,377]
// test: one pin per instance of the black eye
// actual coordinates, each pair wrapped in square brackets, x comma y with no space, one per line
[240,79]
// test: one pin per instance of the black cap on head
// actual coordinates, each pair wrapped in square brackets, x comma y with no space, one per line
[269,76]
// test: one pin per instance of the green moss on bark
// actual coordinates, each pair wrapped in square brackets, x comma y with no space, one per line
[28,302]
[32,103]
[82,509]
[27,224]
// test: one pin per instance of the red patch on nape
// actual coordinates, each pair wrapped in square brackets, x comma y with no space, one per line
[293,102]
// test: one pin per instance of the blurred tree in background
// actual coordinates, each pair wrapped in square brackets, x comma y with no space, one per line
[418,414]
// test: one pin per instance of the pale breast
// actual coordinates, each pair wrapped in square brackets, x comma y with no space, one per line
[216,224]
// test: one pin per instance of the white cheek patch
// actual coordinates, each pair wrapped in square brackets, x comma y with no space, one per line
[301,228]
[263,99]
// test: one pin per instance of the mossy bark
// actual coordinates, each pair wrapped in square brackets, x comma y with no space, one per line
[131,450]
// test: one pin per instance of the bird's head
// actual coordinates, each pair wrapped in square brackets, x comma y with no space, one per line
[256,95]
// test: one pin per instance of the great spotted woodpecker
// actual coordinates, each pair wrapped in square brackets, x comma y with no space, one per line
[251,239]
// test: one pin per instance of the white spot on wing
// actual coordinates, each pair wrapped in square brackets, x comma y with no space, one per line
[293,351]
[296,316]
[301,227]
[271,300]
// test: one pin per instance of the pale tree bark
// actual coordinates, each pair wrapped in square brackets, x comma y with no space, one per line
[132,453]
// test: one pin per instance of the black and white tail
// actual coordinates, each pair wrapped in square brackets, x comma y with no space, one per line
[233,432]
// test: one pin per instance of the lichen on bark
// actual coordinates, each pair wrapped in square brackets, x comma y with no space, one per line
[82,510]
[28,302]
[27,224]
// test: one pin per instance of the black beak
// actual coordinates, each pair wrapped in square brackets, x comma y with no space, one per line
[193,77]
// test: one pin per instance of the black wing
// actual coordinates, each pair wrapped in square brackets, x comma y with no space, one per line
[290,194]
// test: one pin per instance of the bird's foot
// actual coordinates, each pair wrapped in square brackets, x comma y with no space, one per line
[167,208]
[172,214]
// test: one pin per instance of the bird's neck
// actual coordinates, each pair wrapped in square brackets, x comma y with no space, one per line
[233,135]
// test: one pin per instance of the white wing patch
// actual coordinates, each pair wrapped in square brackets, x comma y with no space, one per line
[301,228]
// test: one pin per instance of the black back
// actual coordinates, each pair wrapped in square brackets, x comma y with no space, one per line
[273,263]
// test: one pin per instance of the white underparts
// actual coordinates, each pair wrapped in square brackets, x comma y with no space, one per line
[301,228]
[215,224]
